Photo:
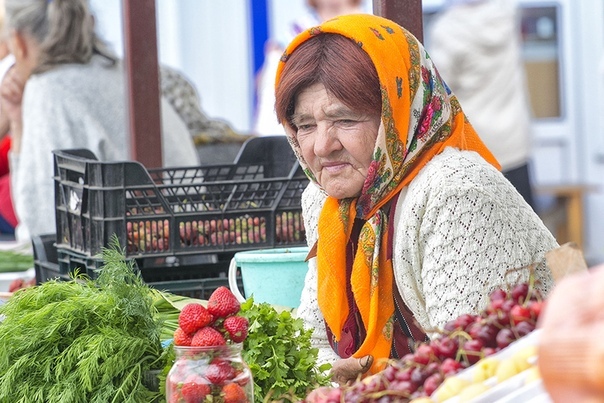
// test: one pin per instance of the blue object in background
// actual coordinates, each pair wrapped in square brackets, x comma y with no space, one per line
[259,34]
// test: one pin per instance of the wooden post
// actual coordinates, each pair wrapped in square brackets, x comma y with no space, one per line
[142,81]
[407,13]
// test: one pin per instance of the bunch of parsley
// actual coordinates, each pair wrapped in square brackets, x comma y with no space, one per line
[81,340]
[279,354]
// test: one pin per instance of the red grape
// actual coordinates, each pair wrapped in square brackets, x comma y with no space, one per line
[520,313]
[451,366]
[487,333]
[505,337]
[432,382]
[495,306]
[445,347]
[498,295]
[450,326]
[404,374]
[423,354]
[524,328]
[418,376]
[473,350]
[519,292]
[464,341]
[536,307]
[464,321]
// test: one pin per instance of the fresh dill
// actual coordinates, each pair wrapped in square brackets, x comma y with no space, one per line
[81,340]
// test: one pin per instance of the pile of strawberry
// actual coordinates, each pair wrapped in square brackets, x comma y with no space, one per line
[199,326]
[208,373]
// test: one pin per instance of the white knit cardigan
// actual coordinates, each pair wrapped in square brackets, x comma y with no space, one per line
[460,230]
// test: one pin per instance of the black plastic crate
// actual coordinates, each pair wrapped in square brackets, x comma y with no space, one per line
[253,203]
[45,258]
[70,261]
[46,271]
[194,281]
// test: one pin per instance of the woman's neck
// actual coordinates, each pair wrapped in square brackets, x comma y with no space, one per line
[4,50]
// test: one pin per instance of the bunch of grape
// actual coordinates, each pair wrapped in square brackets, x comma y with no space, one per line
[508,316]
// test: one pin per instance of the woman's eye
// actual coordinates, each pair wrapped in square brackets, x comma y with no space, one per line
[305,128]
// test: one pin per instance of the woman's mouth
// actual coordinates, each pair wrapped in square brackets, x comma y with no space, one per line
[334,167]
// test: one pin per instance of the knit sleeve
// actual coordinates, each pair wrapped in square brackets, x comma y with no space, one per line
[308,311]
[461,231]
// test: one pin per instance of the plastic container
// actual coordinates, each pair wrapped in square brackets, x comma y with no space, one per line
[251,204]
[194,280]
[46,262]
[274,276]
[204,374]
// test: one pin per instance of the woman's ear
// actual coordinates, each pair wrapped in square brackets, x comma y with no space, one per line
[26,51]
[17,45]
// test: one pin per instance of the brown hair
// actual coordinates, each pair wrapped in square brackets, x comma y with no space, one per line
[340,65]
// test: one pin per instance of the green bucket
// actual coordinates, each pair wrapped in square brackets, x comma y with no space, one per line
[274,276]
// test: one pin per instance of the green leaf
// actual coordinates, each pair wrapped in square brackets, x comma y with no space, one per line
[279,354]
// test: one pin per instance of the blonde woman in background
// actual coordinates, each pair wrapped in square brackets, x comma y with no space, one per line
[67,90]
[265,120]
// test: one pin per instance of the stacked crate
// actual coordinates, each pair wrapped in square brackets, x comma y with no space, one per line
[180,225]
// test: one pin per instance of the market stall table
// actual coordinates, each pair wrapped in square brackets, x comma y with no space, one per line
[569,202]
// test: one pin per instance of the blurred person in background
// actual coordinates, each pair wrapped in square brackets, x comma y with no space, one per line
[66,90]
[8,219]
[318,11]
[476,46]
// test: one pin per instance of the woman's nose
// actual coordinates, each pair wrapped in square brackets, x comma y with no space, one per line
[326,140]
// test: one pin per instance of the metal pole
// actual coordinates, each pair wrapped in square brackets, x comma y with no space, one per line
[142,81]
[407,13]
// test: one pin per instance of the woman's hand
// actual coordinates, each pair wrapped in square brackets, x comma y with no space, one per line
[349,369]
[11,95]
[343,372]
[571,346]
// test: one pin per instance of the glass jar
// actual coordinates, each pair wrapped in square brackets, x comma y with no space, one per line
[203,374]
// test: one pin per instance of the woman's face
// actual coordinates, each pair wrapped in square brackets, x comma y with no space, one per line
[336,142]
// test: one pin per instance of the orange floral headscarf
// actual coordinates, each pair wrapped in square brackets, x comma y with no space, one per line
[420,118]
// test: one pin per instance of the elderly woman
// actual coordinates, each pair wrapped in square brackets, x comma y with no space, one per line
[410,221]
